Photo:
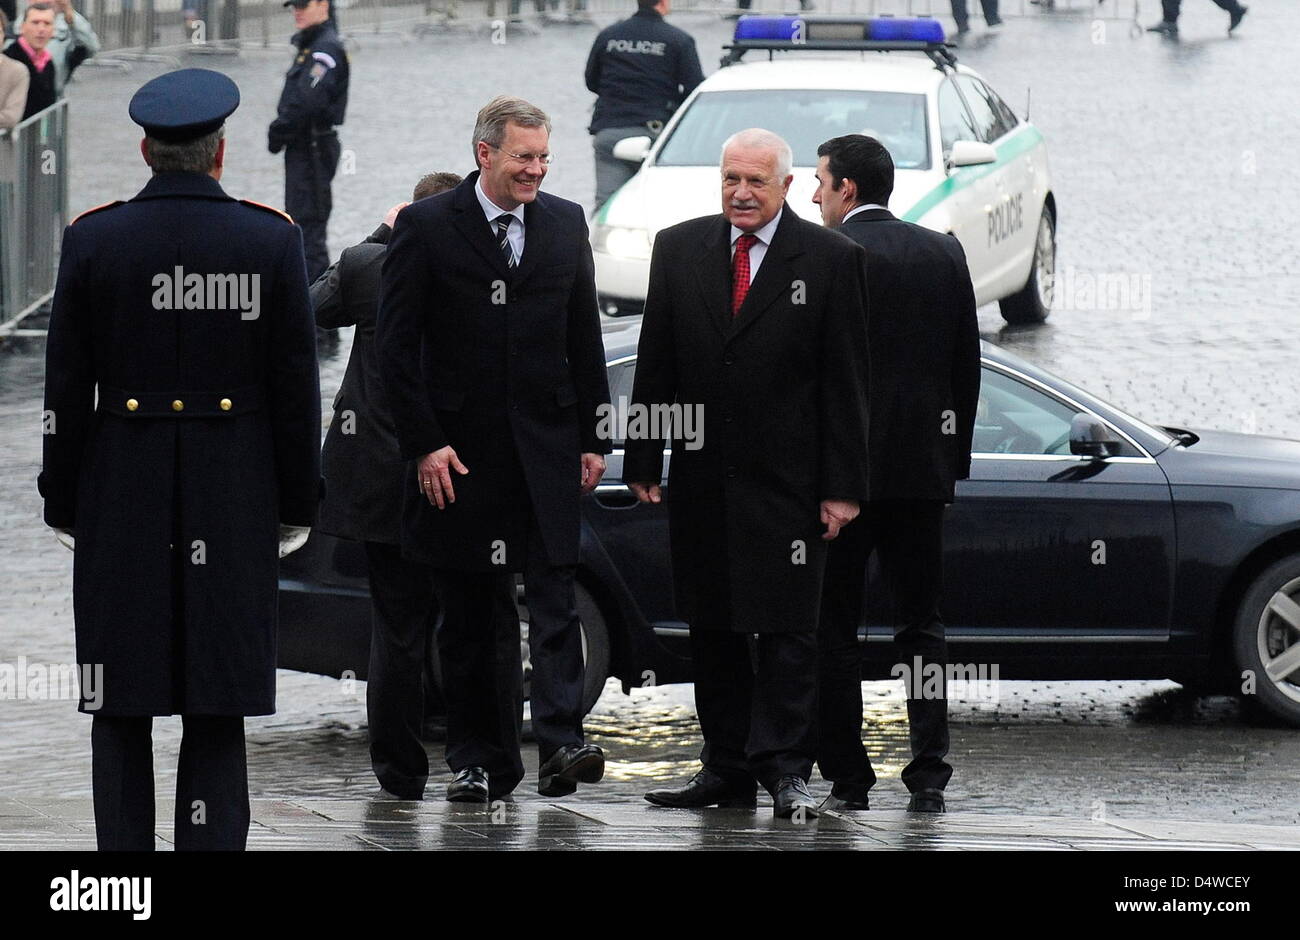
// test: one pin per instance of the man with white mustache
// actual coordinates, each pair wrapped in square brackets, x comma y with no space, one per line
[758,318]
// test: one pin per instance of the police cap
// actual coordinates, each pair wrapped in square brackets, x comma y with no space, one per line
[184,105]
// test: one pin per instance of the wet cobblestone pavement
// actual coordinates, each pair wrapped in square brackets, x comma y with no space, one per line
[1170,162]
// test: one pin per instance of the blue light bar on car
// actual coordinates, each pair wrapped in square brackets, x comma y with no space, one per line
[842,30]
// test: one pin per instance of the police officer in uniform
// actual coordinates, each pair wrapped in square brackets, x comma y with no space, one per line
[182,437]
[314,99]
[642,69]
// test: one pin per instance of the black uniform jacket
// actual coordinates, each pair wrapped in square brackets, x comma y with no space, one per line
[363,468]
[642,68]
[506,365]
[785,424]
[315,93]
[182,426]
[925,357]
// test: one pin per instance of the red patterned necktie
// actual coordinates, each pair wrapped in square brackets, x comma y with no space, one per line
[740,271]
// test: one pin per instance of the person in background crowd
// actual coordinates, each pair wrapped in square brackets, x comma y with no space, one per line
[962,15]
[14,81]
[30,50]
[74,41]
[641,69]
[364,481]
[314,100]
[1168,26]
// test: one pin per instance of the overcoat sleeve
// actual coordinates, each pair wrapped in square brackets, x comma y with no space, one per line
[69,389]
[294,389]
[586,351]
[407,290]
[843,386]
[965,364]
[656,368]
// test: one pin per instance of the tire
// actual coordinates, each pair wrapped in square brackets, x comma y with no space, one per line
[1261,634]
[1033,302]
[595,652]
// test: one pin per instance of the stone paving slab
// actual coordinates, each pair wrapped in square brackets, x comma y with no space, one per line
[391,825]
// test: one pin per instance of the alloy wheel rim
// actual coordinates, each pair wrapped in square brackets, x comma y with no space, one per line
[1277,639]
[1045,259]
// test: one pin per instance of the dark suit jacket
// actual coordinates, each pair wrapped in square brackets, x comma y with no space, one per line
[41,92]
[363,467]
[506,365]
[785,425]
[925,357]
[205,433]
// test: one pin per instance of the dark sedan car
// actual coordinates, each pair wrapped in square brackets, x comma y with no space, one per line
[1087,544]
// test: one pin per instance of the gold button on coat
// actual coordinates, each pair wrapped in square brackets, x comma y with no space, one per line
[132,404]
[225,404]
[178,405]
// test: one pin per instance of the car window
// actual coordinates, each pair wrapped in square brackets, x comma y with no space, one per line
[1009,119]
[1015,418]
[621,377]
[954,120]
[805,118]
[988,122]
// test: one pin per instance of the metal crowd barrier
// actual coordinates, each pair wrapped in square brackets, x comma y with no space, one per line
[144,25]
[33,212]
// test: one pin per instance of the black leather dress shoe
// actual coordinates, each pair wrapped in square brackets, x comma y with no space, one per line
[926,801]
[469,786]
[571,765]
[791,798]
[833,803]
[707,789]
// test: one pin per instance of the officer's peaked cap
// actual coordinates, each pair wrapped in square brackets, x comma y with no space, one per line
[184,105]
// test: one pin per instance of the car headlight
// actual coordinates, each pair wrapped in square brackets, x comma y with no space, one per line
[631,243]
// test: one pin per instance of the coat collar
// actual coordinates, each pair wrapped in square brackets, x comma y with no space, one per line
[774,277]
[182,185]
[871,215]
[473,224]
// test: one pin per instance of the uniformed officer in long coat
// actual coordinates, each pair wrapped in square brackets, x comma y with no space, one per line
[182,430]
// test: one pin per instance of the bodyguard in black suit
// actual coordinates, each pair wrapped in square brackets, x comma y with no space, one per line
[756,318]
[489,342]
[182,424]
[922,395]
[364,474]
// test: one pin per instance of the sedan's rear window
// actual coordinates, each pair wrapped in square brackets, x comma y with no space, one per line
[805,118]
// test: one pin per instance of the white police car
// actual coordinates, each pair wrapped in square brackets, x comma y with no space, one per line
[964,162]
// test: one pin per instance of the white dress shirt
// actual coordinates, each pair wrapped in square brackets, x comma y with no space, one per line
[758,250]
[870,205]
[492,210]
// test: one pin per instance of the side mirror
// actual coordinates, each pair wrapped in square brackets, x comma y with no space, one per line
[1090,437]
[971,153]
[633,149]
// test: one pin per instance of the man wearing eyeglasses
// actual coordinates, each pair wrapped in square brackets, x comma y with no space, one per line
[489,343]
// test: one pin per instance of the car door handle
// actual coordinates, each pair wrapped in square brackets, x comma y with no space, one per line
[615,496]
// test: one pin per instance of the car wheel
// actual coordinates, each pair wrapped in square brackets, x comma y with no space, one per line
[1033,302]
[1266,640]
[595,651]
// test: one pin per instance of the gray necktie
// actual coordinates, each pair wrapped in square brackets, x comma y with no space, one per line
[503,238]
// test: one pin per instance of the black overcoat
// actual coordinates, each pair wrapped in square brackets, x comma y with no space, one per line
[360,461]
[925,357]
[506,365]
[177,440]
[781,387]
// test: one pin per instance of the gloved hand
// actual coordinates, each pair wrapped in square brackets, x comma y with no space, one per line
[292,538]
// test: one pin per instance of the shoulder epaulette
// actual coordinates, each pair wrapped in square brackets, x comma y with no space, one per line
[265,208]
[107,205]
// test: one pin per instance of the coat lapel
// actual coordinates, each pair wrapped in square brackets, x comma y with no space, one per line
[473,224]
[775,276]
[537,236]
[713,274]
